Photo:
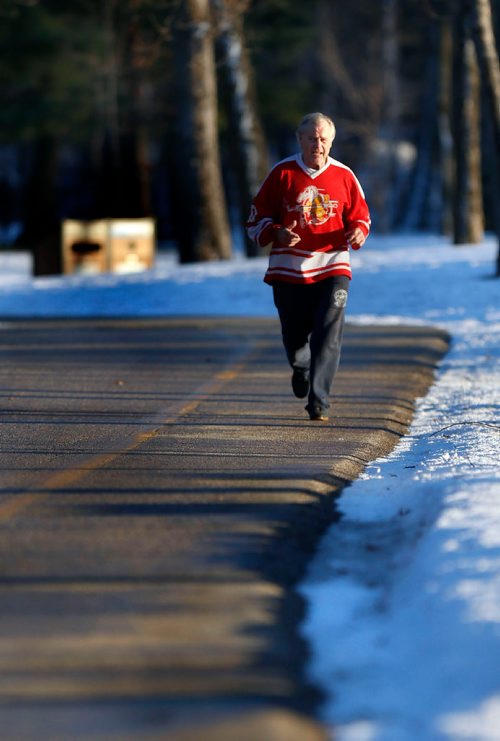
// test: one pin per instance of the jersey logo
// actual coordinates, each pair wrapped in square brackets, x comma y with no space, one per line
[315,206]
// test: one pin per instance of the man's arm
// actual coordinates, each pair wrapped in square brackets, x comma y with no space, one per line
[262,225]
[357,217]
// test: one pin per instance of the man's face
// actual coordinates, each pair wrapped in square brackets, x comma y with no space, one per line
[315,143]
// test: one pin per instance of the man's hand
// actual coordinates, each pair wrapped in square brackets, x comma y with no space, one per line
[355,237]
[286,236]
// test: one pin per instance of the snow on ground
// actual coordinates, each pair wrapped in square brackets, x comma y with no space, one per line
[404,593]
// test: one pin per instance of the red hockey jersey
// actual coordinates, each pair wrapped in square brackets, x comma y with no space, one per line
[324,204]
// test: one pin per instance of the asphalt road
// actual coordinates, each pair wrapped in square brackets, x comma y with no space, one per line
[161,492]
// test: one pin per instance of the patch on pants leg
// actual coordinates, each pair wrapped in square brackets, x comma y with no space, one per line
[340,298]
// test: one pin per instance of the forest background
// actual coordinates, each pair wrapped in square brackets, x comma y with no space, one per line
[176,109]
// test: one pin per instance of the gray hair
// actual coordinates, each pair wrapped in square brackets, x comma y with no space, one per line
[315,118]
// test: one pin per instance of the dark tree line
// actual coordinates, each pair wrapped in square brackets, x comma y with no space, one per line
[175,108]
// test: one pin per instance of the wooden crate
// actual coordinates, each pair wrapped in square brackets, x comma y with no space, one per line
[108,245]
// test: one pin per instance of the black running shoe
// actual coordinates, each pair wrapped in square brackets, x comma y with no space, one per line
[300,383]
[317,414]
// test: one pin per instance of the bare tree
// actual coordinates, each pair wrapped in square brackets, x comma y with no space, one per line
[468,226]
[478,17]
[445,137]
[335,77]
[246,141]
[481,22]
[41,223]
[200,214]
[421,208]
[389,132]
[121,161]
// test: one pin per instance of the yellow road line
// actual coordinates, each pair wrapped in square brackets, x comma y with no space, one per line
[70,476]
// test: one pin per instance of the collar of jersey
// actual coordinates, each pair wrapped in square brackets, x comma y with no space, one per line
[309,171]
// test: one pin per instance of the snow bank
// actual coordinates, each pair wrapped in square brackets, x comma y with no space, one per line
[404,594]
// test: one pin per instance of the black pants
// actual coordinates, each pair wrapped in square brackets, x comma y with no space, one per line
[312,326]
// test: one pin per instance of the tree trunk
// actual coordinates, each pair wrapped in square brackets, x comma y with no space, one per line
[481,22]
[424,207]
[41,232]
[389,129]
[134,160]
[335,76]
[444,126]
[247,142]
[200,216]
[109,178]
[123,187]
[468,210]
